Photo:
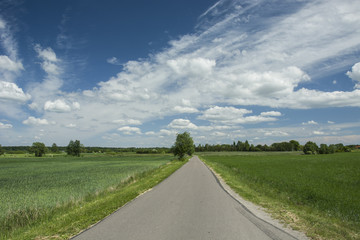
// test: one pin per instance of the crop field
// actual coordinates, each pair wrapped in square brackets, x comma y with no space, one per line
[31,186]
[319,194]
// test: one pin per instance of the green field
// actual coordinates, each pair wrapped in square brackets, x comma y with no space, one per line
[318,194]
[31,188]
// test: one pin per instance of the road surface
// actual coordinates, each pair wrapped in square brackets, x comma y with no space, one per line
[190,204]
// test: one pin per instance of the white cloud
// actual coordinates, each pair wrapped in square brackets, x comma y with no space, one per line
[192,67]
[181,109]
[223,113]
[182,124]
[129,130]
[114,61]
[318,133]
[331,122]
[231,115]
[76,106]
[270,114]
[51,84]
[276,133]
[311,122]
[127,122]
[165,132]
[354,74]
[57,106]
[46,54]
[7,41]
[5,125]
[6,64]
[35,121]
[10,91]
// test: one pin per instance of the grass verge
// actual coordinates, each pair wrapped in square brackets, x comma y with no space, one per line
[67,221]
[318,195]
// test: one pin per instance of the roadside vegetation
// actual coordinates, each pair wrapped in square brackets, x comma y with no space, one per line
[59,196]
[317,194]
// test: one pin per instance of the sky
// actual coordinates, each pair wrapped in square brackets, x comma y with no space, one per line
[134,73]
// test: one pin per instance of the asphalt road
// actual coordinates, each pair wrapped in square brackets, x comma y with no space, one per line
[190,204]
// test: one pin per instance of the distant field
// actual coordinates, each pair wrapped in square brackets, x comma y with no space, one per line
[31,186]
[319,194]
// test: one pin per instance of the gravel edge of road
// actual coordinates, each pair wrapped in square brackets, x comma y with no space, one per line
[255,210]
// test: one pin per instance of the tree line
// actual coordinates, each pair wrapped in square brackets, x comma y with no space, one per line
[75,148]
[293,145]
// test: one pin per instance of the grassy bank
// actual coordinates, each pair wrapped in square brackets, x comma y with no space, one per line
[318,194]
[57,197]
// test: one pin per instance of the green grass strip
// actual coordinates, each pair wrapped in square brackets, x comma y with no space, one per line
[69,220]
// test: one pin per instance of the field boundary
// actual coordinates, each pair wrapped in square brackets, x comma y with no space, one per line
[255,212]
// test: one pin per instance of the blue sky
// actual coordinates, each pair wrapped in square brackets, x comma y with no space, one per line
[136,73]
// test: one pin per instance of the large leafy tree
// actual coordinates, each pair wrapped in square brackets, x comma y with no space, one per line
[38,148]
[310,148]
[54,148]
[184,144]
[74,148]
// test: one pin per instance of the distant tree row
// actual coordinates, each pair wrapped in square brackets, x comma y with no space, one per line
[293,145]
[313,148]
[246,147]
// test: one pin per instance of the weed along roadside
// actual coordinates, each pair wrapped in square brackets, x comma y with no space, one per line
[63,221]
[318,194]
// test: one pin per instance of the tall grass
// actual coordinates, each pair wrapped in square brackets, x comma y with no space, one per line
[326,184]
[33,188]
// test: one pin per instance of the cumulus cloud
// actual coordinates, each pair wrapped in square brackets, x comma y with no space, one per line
[193,67]
[129,130]
[182,124]
[354,74]
[35,121]
[5,125]
[127,122]
[6,64]
[223,113]
[181,109]
[57,106]
[10,91]
[231,115]
[271,114]
[318,133]
[311,122]
[51,84]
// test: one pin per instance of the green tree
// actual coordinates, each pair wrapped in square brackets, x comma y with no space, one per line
[295,145]
[1,150]
[74,148]
[54,148]
[184,144]
[38,148]
[310,148]
[246,146]
[323,149]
